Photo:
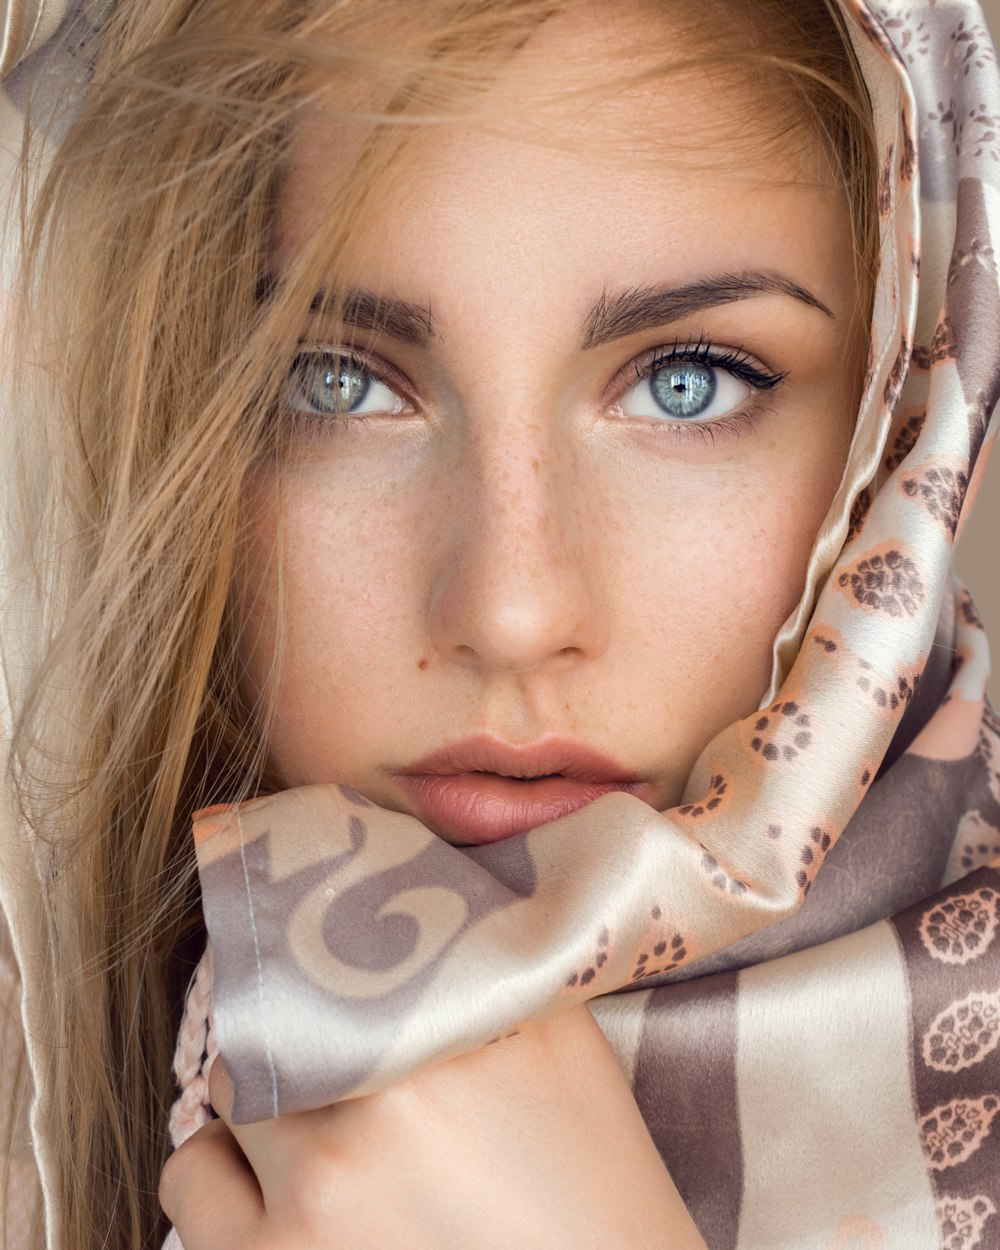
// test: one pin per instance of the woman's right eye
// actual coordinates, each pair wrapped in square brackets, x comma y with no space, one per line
[324,383]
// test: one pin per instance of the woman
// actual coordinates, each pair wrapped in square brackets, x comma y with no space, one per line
[478,409]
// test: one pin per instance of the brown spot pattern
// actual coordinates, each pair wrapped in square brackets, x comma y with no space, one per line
[885,184]
[942,492]
[669,951]
[955,1130]
[906,438]
[889,696]
[907,151]
[720,877]
[973,46]
[859,510]
[963,1220]
[964,1034]
[811,856]
[712,800]
[960,928]
[970,613]
[875,33]
[782,732]
[943,345]
[910,39]
[974,855]
[889,583]
[586,975]
[897,376]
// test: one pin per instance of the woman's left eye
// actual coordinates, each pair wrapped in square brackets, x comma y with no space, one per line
[324,383]
[684,390]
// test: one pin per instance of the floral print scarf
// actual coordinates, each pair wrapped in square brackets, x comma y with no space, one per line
[798,967]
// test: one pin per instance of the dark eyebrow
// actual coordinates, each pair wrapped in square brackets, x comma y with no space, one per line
[410,323]
[642,308]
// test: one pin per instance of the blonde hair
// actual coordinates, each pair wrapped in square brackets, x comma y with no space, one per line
[151,350]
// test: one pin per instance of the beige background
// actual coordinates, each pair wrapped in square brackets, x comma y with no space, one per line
[977,557]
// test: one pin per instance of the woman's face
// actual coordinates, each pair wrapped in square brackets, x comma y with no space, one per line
[537,538]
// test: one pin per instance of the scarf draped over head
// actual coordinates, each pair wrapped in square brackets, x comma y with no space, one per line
[809,942]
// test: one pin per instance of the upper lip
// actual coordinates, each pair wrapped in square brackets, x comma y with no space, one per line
[484,754]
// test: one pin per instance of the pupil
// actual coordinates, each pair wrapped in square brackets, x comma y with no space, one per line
[683,391]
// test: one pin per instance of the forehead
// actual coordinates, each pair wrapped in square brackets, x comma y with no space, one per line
[586,143]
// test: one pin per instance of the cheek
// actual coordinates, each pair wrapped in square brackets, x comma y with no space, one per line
[713,610]
[722,580]
[324,599]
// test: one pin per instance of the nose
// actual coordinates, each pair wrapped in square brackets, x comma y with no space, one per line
[519,588]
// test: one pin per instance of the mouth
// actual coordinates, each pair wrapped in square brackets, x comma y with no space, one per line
[481,790]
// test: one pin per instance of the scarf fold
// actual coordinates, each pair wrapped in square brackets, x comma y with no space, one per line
[809,940]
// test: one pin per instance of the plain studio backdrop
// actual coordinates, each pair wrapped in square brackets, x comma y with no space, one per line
[978,558]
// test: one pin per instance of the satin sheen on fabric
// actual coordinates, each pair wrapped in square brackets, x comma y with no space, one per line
[799,967]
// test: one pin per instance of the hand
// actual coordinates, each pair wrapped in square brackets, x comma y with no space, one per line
[534,1141]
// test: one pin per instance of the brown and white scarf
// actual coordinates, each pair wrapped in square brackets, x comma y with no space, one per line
[816,1053]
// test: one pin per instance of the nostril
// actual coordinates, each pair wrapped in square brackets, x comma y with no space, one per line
[501,616]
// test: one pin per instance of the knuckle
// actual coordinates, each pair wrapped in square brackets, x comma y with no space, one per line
[331,1186]
[172,1179]
[317,1174]
[178,1168]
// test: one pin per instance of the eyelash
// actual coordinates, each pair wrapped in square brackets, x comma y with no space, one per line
[736,361]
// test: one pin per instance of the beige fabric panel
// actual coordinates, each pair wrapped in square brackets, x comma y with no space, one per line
[25,25]
[977,557]
[827,1028]
[20,1225]
[620,1018]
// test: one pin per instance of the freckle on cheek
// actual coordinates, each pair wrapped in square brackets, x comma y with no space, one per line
[422,663]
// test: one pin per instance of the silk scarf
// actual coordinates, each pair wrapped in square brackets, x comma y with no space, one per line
[798,967]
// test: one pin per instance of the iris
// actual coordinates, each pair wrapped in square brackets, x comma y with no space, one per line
[683,390]
[324,383]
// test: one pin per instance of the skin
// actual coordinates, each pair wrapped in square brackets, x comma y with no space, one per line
[509,556]
[518,552]
[535,1140]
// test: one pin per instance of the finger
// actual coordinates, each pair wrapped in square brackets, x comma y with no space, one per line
[220,1090]
[263,1142]
[209,1192]
[281,1150]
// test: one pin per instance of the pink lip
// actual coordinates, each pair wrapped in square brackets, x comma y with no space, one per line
[481,790]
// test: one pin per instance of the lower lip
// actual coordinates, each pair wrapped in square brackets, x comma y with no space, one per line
[474,808]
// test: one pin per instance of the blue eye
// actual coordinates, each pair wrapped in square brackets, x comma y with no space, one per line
[694,384]
[684,391]
[327,383]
